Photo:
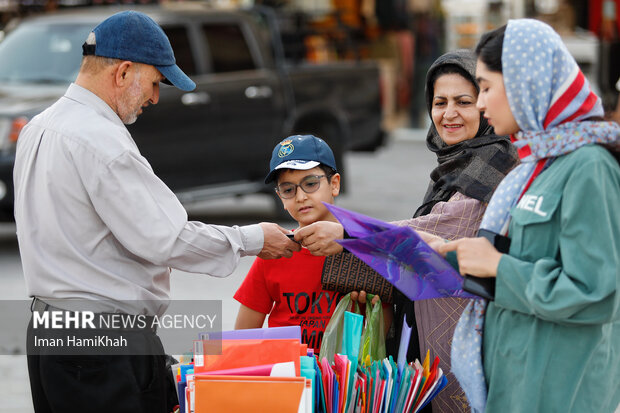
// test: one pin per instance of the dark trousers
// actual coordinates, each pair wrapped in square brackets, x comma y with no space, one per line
[101,382]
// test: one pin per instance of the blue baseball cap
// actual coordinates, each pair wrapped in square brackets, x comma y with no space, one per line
[133,36]
[301,152]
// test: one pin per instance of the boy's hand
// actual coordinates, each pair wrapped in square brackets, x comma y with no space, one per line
[319,237]
[276,244]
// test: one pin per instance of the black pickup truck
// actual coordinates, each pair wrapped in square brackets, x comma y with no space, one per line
[213,141]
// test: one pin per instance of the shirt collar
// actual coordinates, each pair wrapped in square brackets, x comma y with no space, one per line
[88,98]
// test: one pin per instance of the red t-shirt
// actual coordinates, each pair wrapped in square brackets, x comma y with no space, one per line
[289,290]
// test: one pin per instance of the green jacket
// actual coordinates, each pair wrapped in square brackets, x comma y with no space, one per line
[552,335]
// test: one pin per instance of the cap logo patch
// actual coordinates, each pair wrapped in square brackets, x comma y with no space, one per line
[286,148]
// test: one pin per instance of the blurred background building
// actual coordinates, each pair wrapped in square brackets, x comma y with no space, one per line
[405,36]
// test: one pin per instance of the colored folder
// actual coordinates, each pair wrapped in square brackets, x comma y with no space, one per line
[254,333]
[242,394]
[245,353]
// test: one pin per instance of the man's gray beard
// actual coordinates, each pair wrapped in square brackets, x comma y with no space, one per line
[133,119]
[133,91]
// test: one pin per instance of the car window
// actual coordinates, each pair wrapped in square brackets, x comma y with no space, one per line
[228,48]
[43,53]
[179,39]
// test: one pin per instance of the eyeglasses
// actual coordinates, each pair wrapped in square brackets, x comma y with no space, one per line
[309,184]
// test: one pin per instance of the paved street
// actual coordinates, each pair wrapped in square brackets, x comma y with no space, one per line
[387,184]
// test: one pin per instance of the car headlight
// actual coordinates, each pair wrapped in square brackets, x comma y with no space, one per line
[10,129]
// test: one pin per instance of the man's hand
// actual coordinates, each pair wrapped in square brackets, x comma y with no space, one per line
[276,244]
[319,237]
[476,256]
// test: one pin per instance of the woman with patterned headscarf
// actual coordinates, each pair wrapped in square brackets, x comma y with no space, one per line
[550,340]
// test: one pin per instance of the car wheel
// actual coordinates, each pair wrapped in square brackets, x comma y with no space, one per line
[6,215]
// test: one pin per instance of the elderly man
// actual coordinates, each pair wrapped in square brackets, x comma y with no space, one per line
[95,223]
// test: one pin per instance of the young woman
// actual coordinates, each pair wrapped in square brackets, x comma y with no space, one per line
[551,337]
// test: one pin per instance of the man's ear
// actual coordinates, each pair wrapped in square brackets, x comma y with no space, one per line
[124,72]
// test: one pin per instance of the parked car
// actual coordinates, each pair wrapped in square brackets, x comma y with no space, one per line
[213,141]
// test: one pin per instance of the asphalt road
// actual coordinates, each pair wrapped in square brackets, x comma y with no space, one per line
[387,184]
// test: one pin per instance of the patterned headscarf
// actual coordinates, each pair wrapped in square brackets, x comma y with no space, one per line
[551,100]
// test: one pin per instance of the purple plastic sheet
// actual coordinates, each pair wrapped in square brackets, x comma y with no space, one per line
[400,256]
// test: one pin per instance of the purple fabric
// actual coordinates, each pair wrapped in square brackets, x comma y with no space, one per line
[400,256]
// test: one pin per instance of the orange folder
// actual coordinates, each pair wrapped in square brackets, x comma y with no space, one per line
[237,394]
[251,352]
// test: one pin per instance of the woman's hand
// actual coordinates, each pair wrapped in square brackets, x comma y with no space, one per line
[361,297]
[319,237]
[476,256]
[433,241]
[388,312]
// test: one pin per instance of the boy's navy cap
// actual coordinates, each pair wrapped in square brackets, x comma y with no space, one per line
[133,36]
[301,152]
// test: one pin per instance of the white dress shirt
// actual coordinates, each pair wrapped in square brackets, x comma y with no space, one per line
[93,220]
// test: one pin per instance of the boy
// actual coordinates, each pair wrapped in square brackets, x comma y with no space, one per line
[289,290]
